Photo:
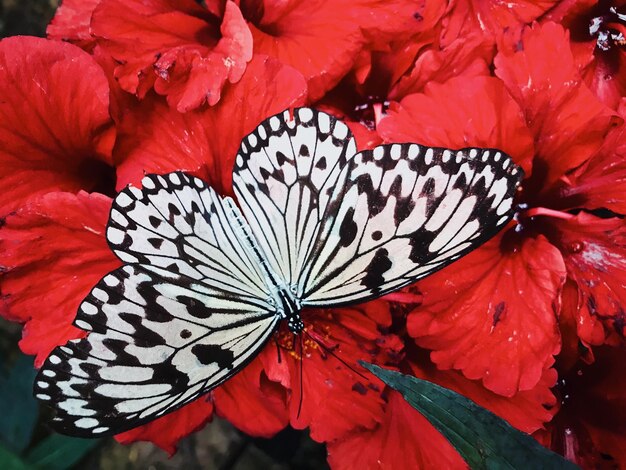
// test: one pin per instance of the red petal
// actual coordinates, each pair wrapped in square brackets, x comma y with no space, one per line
[335,399]
[156,139]
[54,251]
[602,182]
[55,128]
[181,48]
[474,111]
[467,57]
[494,18]
[568,122]
[492,314]
[316,37]
[594,250]
[253,403]
[527,410]
[71,23]
[167,430]
[403,439]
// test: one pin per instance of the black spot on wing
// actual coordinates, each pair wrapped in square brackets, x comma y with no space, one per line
[419,242]
[304,151]
[380,264]
[154,221]
[404,207]
[194,306]
[321,164]
[281,158]
[348,228]
[212,353]
[156,242]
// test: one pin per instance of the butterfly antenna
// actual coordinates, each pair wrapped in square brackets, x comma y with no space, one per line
[330,351]
[301,375]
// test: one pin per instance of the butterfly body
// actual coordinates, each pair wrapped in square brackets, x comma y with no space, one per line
[282,297]
[207,281]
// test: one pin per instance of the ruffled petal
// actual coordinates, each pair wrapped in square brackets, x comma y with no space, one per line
[594,250]
[186,51]
[403,439]
[71,23]
[493,314]
[318,38]
[601,183]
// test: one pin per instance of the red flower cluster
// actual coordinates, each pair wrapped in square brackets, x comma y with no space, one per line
[531,325]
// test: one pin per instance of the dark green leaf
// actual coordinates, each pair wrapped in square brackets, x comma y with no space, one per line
[11,461]
[483,439]
[59,452]
[18,419]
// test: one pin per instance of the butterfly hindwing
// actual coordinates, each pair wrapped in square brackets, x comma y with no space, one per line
[156,342]
[403,211]
[283,177]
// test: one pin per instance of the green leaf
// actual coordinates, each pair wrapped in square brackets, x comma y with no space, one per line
[483,439]
[19,419]
[58,452]
[11,461]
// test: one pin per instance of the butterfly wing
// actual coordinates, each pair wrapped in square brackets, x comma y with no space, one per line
[343,227]
[403,211]
[283,178]
[188,311]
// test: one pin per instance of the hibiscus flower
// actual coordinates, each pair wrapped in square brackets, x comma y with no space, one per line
[597,31]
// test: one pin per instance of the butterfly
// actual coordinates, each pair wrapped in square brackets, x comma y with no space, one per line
[206,281]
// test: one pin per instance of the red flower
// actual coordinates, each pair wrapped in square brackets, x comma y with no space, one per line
[597,35]
[55,130]
[185,51]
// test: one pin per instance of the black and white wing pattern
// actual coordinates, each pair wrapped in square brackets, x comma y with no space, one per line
[284,175]
[342,227]
[401,212]
[187,312]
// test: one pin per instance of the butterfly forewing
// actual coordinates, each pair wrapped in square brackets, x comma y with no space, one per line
[187,312]
[283,177]
[403,212]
